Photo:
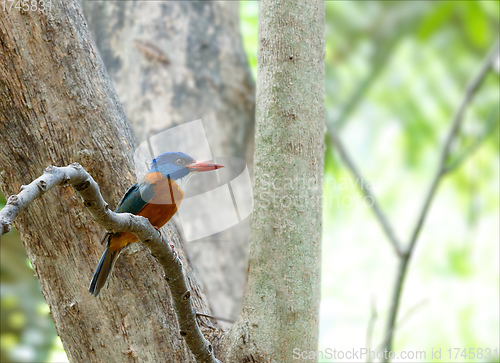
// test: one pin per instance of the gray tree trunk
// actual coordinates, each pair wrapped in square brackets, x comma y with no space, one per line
[175,62]
[57,106]
[281,303]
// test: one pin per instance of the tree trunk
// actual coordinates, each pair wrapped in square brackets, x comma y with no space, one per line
[175,62]
[57,106]
[280,307]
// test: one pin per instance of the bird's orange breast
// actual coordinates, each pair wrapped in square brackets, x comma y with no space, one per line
[167,196]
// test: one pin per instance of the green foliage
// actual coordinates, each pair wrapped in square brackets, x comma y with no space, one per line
[27,332]
[459,261]
[436,19]
[396,72]
[249,11]
[476,24]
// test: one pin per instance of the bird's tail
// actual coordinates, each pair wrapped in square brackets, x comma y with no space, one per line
[103,270]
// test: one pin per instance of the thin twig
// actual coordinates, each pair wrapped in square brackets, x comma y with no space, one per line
[389,232]
[405,318]
[88,189]
[491,125]
[380,61]
[370,327]
[216,317]
[471,89]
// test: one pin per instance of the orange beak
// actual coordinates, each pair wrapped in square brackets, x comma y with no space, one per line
[203,166]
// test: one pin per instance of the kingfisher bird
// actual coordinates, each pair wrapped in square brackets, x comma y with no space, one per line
[156,197]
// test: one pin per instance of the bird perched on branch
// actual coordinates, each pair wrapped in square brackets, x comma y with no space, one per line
[156,197]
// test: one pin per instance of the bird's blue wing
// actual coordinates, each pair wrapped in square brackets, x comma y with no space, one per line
[132,201]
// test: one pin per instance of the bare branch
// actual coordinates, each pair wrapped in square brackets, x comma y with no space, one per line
[386,226]
[491,125]
[405,318]
[456,124]
[470,91]
[380,60]
[88,189]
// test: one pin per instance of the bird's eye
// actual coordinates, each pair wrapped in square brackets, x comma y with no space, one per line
[180,161]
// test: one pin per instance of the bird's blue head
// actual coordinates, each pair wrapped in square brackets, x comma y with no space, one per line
[177,165]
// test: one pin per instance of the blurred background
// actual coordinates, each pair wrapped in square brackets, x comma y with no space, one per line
[395,75]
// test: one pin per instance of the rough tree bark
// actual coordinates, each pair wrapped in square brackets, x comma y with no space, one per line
[281,302]
[57,106]
[175,62]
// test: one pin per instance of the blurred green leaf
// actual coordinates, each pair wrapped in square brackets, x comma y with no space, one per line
[491,8]
[458,259]
[475,23]
[437,17]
